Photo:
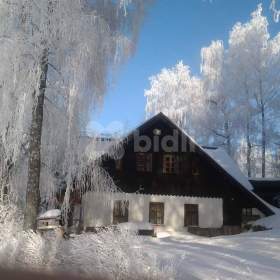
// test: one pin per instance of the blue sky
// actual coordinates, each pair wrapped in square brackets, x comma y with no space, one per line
[173,30]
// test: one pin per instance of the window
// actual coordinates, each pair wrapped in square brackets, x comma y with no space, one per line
[248,212]
[157,131]
[120,212]
[170,164]
[195,167]
[144,162]
[191,215]
[156,214]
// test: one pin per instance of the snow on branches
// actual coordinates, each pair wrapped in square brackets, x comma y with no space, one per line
[235,101]
[78,43]
[176,93]
[275,10]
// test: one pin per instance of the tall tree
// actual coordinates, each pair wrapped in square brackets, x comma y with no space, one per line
[244,84]
[221,118]
[239,86]
[178,94]
[55,56]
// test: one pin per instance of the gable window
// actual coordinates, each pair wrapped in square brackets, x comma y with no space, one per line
[120,212]
[170,164]
[195,171]
[191,215]
[195,167]
[144,162]
[118,164]
[156,214]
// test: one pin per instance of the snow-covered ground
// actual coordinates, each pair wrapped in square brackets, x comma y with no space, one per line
[254,255]
[120,254]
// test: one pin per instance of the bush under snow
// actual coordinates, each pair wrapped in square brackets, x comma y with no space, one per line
[113,254]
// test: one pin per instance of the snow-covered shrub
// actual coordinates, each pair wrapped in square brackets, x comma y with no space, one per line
[113,253]
[23,249]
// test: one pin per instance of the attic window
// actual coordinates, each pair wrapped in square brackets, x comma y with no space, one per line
[170,164]
[144,162]
[195,167]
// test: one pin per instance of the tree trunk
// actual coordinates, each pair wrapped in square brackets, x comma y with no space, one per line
[263,141]
[248,133]
[249,147]
[228,137]
[34,161]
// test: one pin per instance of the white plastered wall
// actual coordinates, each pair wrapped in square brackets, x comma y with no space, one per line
[98,209]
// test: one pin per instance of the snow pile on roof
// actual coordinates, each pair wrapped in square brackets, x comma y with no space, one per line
[221,157]
[271,221]
[50,214]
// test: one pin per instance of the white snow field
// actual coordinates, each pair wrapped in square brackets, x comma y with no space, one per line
[244,256]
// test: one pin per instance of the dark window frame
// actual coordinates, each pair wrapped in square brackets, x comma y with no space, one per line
[191,214]
[144,162]
[156,213]
[170,164]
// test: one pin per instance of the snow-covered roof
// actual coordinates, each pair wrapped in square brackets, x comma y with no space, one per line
[221,157]
[50,214]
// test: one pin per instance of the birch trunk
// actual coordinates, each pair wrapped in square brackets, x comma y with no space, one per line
[263,142]
[248,134]
[34,161]
[249,147]
[228,137]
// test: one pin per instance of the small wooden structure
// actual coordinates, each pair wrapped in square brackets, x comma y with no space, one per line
[49,220]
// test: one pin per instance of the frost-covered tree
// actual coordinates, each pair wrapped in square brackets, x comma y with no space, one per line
[178,94]
[258,55]
[238,96]
[275,10]
[55,57]
[222,120]
[243,83]
[241,68]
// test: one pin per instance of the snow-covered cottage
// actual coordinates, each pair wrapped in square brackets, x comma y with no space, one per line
[170,181]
